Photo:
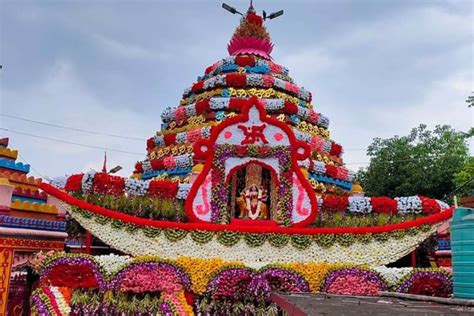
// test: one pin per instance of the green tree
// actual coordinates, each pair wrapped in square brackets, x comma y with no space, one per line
[470,100]
[464,179]
[423,162]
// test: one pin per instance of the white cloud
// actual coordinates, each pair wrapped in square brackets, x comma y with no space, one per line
[120,49]
[443,103]
[61,98]
[310,62]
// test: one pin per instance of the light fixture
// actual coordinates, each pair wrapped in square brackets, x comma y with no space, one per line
[115,169]
[230,9]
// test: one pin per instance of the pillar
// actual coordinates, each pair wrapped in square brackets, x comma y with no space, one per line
[6,261]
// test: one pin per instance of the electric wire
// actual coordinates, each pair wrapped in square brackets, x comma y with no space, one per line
[71,143]
[70,128]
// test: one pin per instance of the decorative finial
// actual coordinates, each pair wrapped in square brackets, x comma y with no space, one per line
[251,9]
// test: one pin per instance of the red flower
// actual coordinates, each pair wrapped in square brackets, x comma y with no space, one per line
[170,139]
[150,143]
[236,80]
[429,286]
[157,164]
[263,151]
[384,205]
[255,19]
[430,206]
[290,108]
[241,150]
[243,61]
[236,104]
[202,106]
[163,188]
[336,150]
[331,171]
[198,86]
[189,298]
[74,276]
[332,203]
[209,69]
[74,183]
[138,167]
[104,183]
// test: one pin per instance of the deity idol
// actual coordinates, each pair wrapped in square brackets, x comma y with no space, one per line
[251,203]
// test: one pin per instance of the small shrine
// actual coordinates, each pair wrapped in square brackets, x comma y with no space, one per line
[29,222]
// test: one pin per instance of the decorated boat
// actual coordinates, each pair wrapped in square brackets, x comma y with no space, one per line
[244,169]
[242,192]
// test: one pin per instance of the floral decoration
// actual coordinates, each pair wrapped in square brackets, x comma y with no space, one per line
[353,281]
[51,301]
[427,282]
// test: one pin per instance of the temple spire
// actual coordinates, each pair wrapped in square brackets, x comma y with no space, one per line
[251,36]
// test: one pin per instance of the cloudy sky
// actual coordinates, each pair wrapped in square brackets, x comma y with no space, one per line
[376,69]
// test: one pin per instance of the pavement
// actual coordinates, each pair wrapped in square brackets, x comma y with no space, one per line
[302,304]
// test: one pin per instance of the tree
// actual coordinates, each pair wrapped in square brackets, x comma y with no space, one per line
[470,100]
[464,179]
[423,162]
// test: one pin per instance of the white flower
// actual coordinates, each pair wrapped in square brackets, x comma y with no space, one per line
[136,187]
[302,113]
[219,103]
[319,167]
[181,138]
[183,161]
[323,121]
[305,163]
[183,191]
[409,204]
[59,182]
[254,80]
[302,136]
[159,140]
[359,205]
[87,181]
[112,262]
[190,110]
[393,275]
[278,83]
[274,104]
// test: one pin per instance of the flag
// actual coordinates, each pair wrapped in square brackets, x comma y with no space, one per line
[104,167]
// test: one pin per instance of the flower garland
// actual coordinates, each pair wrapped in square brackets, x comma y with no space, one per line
[242,80]
[193,112]
[51,301]
[373,248]
[105,184]
[251,64]
[172,189]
